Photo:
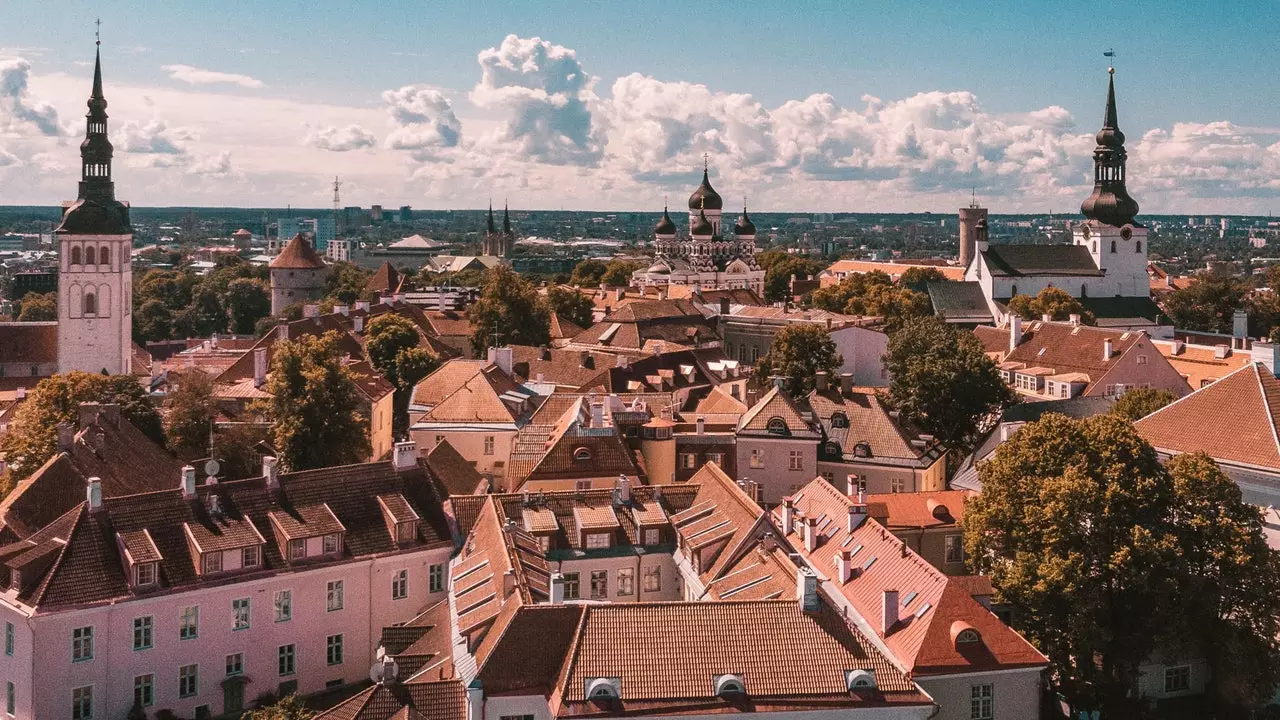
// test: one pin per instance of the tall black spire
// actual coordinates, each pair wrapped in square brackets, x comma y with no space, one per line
[1110,202]
[96,210]
[492,227]
[506,220]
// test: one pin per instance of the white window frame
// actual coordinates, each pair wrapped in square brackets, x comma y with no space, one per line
[626,582]
[248,553]
[400,585]
[82,644]
[146,626]
[435,578]
[82,703]
[189,680]
[795,460]
[757,459]
[599,584]
[1177,671]
[982,701]
[284,605]
[652,536]
[287,660]
[489,443]
[333,596]
[189,623]
[241,614]
[653,578]
[597,541]
[331,544]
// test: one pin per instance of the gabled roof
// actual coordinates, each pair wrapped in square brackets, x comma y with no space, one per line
[960,301]
[426,700]
[929,602]
[570,448]
[454,473]
[562,328]
[29,342]
[1066,348]
[867,421]
[434,388]
[1201,364]
[297,255]
[918,510]
[1039,260]
[722,519]
[384,279]
[575,370]
[775,404]
[1233,420]
[488,396]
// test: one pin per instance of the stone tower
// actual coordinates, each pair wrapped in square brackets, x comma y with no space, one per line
[95,318]
[297,275]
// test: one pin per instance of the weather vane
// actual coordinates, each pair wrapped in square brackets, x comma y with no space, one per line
[1111,53]
[97,32]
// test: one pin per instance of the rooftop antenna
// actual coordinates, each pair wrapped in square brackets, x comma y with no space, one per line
[337,205]
[973,196]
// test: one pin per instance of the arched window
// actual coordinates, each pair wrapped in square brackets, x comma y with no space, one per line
[729,685]
[603,688]
[968,636]
[1113,246]
[777,426]
[1138,246]
[90,304]
[581,455]
[1084,290]
[88,256]
[833,449]
[839,420]
[104,255]
[862,450]
[75,255]
[1013,291]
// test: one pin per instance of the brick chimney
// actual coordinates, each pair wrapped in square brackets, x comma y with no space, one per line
[271,471]
[810,534]
[260,366]
[844,563]
[188,485]
[889,612]
[1015,332]
[820,380]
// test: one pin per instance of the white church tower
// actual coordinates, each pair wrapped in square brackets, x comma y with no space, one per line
[95,287]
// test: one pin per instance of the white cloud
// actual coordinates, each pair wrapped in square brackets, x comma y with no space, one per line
[17,108]
[153,137]
[424,119]
[197,76]
[341,139]
[7,158]
[212,165]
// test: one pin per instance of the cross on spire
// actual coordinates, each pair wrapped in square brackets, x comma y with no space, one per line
[705,161]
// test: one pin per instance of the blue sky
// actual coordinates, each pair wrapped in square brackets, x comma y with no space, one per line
[998,95]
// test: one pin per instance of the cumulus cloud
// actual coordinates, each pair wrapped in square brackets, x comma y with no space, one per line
[424,120]
[212,165]
[546,97]
[1217,159]
[17,108]
[197,76]
[341,139]
[7,158]
[153,137]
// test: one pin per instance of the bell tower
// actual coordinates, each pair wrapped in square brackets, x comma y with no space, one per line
[95,240]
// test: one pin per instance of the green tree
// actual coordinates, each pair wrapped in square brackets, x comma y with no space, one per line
[918,278]
[33,438]
[1057,303]
[386,337]
[248,301]
[587,273]
[777,278]
[797,353]
[895,304]
[206,314]
[190,411]
[570,305]
[288,708]
[942,381]
[1141,402]
[508,312]
[39,307]
[836,298]
[1208,303]
[618,273]
[315,405]
[152,321]
[344,282]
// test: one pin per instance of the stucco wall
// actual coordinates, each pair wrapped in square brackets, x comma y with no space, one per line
[776,478]
[1016,694]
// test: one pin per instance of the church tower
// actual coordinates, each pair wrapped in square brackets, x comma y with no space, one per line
[95,238]
[1115,240]
[495,243]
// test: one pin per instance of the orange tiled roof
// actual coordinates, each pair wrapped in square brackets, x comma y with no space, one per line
[1199,364]
[297,255]
[776,404]
[919,509]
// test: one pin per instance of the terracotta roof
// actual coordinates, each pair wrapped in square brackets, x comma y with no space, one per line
[384,279]
[454,473]
[763,572]
[29,342]
[575,370]
[438,700]
[1200,364]
[450,323]
[929,602]
[775,404]
[488,396]
[562,328]
[567,447]
[893,269]
[1065,348]
[638,324]
[529,657]
[995,340]
[898,511]
[297,255]
[719,523]
[305,521]
[447,378]
[1232,420]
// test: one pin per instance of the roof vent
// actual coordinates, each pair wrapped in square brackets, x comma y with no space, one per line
[729,685]
[862,679]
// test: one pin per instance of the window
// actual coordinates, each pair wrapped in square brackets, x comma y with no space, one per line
[89,257]
[839,420]
[284,605]
[688,461]
[297,549]
[980,702]
[10,698]
[1177,678]
[8,639]
[235,664]
[581,485]
[333,650]
[188,681]
[406,532]
[581,455]
[1142,359]
[626,581]
[330,544]
[757,459]
[285,656]
[597,540]
[105,255]
[82,703]
[435,578]
[142,632]
[896,485]
[333,599]
[954,549]
[777,426]
[796,461]
[515,717]
[249,557]
[90,303]
[212,562]
[75,255]
[439,439]
[652,536]
[599,584]
[571,589]
[240,614]
[717,458]
[488,444]
[400,585]
[82,644]
[189,623]
[1138,246]
[1113,246]
[144,574]
[653,579]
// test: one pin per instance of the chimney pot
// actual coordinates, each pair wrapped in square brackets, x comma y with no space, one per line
[807,590]
[557,589]
[271,471]
[857,514]
[66,436]
[343,310]
[260,366]
[405,456]
[701,423]
[810,534]
[310,310]
[623,486]
[846,383]
[788,515]
[820,379]
[845,563]
[1015,332]
[188,482]
[1107,349]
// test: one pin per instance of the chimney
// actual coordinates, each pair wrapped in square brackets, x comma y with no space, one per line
[310,310]
[343,310]
[597,414]
[259,367]
[475,700]
[271,471]
[604,288]
[619,294]
[557,589]
[1074,318]
[66,436]
[1239,324]
[385,300]
[1046,317]
[778,381]
[508,583]
[701,424]
[1106,349]
[546,352]
[788,515]
[807,590]
[810,534]
[20,393]
[89,412]
[724,305]
[503,358]
[188,482]
[889,614]
[621,362]
[857,514]
[1015,332]
[1221,351]
[1178,347]
[282,331]
[362,305]
[845,564]
[93,494]
[820,379]
[586,361]
[357,324]
[405,456]
[397,298]
[623,486]
[440,304]
[850,484]
[846,383]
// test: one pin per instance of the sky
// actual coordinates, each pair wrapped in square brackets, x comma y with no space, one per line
[842,106]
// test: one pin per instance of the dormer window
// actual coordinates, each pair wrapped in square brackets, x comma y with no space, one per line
[211,563]
[862,679]
[297,549]
[728,686]
[330,544]
[839,420]
[406,532]
[604,688]
[777,426]
[582,455]
[968,636]
[862,450]
[833,449]
[144,574]
[250,557]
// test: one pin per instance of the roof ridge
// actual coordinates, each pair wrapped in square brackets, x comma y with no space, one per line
[1197,391]
[1271,411]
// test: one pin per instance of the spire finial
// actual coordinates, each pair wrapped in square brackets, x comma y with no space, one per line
[97,31]
[705,162]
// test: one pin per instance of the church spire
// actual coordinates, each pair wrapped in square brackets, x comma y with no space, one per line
[492,227]
[1110,203]
[96,209]
[506,219]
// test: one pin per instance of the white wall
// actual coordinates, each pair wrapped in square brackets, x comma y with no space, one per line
[469,442]
[863,352]
[1016,693]
[104,340]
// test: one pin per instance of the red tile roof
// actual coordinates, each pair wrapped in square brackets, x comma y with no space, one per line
[919,509]
[29,342]
[775,404]
[297,255]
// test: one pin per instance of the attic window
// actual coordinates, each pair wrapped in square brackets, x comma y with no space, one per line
[603,688]
[968,636]
[729,685]
[777,426]
[839,420]
[144,574]
[860,679]
[833,448]
[910,596]
[581,455]
[862,450]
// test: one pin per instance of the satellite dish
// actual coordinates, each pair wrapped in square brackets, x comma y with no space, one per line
[211,468]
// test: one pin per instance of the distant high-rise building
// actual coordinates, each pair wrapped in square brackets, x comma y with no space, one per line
[375,214]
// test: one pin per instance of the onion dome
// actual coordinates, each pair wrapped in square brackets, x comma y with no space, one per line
[705,197]
[665,226]
[702,226]
[744,226]
[1110,203]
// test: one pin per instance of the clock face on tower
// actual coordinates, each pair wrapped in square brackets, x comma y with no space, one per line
[1126,232]
[1084,231]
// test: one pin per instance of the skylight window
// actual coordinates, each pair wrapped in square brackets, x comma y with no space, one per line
[868,563]
[910,596]
[923,609]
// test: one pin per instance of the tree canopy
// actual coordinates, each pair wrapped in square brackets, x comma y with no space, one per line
[942,381]
[1140,402]
[508,312]
[248,301]
[618,273]
[1105,556]
[290,707]
[394,348]
[587,273]
[777,276]
[918,278]
[797,353]
[1057,303]
[179,304]
[1208,303]
[315,405]
[38,307]
[190,411]
[570,305]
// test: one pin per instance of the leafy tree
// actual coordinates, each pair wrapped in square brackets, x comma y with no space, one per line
[1141,402]
[1105,556]
[248,301]
[33,438]
[206,314]
[942,381]
[570,305]
[836,298]
[587,273]
[618,273]
[918,278]
[797,353]
[39,307]
[344,282]
[895,304]
[777,278]
[152,321]
[387,336]
[190,411]
[508,312]
[315,405]
[1057,303]
[288,708]
[767,258]
[1208,303]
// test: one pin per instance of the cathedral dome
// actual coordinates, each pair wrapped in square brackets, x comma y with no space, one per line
[744,226]
[705,197]
[701,226]
[665,226]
